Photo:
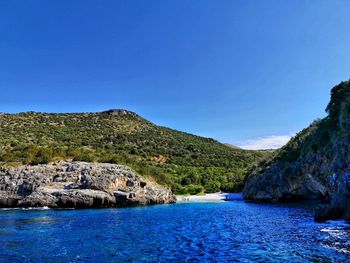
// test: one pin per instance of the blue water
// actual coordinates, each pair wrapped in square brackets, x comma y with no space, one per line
[205,232]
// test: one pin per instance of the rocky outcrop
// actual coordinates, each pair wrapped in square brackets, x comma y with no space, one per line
[124,113]
[78,185]
[315,164]
[278,184]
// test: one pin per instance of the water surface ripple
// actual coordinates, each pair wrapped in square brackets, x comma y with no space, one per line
[205,232]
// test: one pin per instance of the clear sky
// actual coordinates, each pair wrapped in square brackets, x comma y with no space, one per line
[246,72]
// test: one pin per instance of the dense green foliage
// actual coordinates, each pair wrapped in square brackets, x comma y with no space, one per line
[188,163]
[320,138]
[340,95]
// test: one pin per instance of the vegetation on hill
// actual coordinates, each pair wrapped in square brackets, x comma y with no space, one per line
[320,152]
[320,135]
[314,164]
[187,163]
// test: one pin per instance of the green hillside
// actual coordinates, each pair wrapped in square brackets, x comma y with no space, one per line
[315,164]
[323,134]
[188,163]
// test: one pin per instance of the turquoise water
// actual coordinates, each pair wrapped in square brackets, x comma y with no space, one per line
[205,232]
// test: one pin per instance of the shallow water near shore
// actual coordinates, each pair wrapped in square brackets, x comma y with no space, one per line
[221,231]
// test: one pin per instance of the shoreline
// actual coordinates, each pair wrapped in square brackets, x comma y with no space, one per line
[214,197]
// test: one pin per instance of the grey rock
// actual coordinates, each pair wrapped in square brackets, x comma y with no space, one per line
[78,185]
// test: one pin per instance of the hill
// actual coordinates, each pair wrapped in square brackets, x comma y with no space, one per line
[314,164]
[187,163]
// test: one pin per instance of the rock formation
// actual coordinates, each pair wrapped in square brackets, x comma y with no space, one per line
[315,164]
[78,185]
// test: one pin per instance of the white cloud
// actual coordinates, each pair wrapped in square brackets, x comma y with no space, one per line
[264,143]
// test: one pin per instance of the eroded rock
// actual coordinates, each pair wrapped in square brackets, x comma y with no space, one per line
[78,185]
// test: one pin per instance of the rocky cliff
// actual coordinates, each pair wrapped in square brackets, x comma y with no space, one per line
[315,164]
[78,185]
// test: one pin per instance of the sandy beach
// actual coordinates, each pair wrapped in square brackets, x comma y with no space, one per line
[215,197]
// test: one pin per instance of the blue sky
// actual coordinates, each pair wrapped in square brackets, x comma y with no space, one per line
[246,72]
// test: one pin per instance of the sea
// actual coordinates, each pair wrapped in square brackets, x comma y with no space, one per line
[232,231]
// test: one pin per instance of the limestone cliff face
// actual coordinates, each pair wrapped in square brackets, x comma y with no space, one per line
[314,164]
[78,185]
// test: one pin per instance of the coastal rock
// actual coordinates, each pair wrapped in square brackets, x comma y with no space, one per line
[282,184]
[78,185]
[315,164]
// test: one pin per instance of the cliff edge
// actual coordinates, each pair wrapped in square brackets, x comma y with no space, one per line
[315,164]
[78,185]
